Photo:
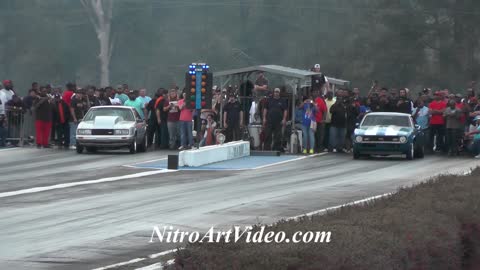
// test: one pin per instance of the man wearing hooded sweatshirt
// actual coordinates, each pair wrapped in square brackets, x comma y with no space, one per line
[338,126]
[61,118]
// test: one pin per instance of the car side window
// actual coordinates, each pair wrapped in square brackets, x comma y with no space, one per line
[137,116]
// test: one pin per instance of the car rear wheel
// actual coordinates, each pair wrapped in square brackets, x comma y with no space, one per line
[133,146]
[142,147]
[411,152]
[79,149]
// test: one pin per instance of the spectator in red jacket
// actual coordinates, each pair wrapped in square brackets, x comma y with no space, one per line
[320,119]
[437,122]
[68,93]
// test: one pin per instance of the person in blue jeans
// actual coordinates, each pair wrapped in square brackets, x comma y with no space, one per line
[475,147]
[308,131]
[186,117]
[338,126]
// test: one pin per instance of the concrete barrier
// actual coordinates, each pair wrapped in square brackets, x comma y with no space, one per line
[215,153]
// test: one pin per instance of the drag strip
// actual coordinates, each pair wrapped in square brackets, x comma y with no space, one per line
[99,224]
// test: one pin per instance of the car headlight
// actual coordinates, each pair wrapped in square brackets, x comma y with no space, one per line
[220,138]
[359,139]
[121,132]
[403,139]
[84,131]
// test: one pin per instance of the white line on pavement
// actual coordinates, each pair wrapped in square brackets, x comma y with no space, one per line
[8,149]
[152,256]
[81,183]
[147,161]
[155,266]
[324,210]
[120,264]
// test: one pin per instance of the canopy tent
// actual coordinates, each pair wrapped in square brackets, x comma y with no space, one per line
[293,78]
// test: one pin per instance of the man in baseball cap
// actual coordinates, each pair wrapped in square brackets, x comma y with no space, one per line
[319,82]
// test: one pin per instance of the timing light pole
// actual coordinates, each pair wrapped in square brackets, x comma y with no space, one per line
[198,88]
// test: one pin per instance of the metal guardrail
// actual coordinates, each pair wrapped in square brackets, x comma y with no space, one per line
[20,127]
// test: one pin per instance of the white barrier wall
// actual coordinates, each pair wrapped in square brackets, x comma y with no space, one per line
[214,153]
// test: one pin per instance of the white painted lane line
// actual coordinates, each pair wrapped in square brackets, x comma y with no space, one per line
[152,256]
[120,264]
[81,183]
[155,266]
[146,161]
[287,161]
[324,210]
[163,253]
[9,149]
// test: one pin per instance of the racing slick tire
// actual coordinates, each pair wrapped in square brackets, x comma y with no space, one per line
[133,146]
[411,152]
[79,149]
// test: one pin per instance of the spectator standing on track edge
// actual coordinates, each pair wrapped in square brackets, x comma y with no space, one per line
[233,119]
[274,119]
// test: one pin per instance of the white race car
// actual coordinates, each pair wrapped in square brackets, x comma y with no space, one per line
[111,127]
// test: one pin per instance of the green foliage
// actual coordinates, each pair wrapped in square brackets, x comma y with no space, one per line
[401,43]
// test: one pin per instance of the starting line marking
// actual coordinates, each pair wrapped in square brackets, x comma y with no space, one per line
[220,166]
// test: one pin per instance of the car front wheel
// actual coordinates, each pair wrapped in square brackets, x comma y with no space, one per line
[143,145]
[133,146]
[411,152]
[79,149]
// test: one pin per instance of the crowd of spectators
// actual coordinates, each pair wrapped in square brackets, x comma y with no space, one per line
[326,118]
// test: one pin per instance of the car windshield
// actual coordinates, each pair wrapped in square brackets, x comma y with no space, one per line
[125,114]
[386,120]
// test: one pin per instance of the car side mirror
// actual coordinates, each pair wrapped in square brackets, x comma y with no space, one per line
[357,125]
[417,127]
[139,120]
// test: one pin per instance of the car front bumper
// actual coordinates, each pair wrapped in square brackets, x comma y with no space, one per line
[104,141]
[381,148]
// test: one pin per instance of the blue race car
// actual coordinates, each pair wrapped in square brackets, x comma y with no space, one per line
[386,134]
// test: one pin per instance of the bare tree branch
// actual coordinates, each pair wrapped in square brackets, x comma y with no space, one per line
[90,13]
[112,45]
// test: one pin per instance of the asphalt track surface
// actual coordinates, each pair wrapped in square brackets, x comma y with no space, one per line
[105,222]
